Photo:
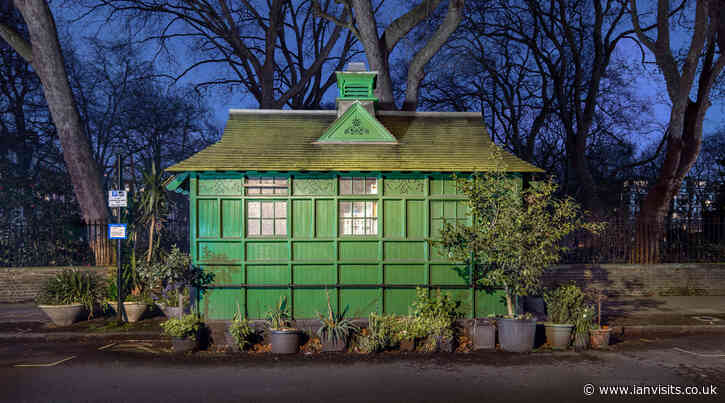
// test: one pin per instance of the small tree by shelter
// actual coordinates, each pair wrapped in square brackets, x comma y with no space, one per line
[514,233]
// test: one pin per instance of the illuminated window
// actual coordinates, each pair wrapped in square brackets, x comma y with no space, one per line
[358,185]
[266,185]
[267,218]
[359,217]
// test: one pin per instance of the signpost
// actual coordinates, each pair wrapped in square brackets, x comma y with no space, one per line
[117,199]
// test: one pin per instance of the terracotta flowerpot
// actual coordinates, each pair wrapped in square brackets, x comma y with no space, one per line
[599,338]
[62,315]
[558,335]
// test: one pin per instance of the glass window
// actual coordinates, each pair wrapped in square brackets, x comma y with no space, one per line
[266,185]
[267,218]
[358,218]
[359,185]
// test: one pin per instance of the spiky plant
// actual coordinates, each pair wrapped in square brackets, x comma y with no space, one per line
[334,326]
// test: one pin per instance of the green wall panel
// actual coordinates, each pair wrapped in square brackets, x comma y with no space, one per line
[359,250]
[308,302]
[404,274]
[231,218]
[443,186]
[267,250]
[462,296]
[360,302]
[220,186]
[225,274]
[314,250]
[393,218]
[219,252]
[326,218]
[314,186]
[448,274]
[359,274]
[415,218]
[314,274]
[404,250]
[268,274]
[221,303]
[490,302]
[404,186]
[260,301]
[399,301]
[208,212]
[302,225]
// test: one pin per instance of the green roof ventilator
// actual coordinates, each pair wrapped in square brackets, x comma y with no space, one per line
[356,83]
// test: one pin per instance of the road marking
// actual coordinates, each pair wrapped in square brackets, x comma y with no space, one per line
[698,354]
[52,364]
[106,346]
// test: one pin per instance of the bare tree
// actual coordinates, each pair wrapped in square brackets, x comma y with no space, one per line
[359,16]
[275,50]
[698,71]
[43,52]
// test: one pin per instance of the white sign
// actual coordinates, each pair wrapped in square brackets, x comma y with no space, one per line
[117,198]
[116,231]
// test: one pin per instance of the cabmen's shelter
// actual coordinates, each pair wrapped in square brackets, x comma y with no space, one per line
[342,202]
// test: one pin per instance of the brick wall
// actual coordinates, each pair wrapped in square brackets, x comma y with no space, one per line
[643,280]
[22,284]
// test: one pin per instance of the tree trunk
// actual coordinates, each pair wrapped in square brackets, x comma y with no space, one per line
[509,301]
[46,59]
[152,227]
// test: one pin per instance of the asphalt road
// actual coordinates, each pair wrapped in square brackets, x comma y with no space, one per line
[124,376]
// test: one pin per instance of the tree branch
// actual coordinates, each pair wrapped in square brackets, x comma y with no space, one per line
[17,42]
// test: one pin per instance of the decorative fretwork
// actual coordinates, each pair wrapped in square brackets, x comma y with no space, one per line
[357,129]
[316,186]
[404,186]
[220,187]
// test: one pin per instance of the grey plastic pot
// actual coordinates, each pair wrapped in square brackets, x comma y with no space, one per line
[62,315]
[558,335]
[284,341]
[516,335]
[329,346]
[134,310]
[484,335]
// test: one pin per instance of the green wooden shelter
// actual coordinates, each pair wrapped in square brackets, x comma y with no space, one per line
[342,202]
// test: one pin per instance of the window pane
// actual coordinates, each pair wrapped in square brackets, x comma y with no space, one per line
[253,209]
[252,181]
[358,186]
[345,186]
[252,227]
[267,191]
[280,180]
[369,209]
[358,226]
[280,209]
[280,191]
[267,227]
[358,209]
[345,209]
[254,191]
[280,227]
[371,186]
[346,226]
[268,210]
[267,180]
[371,226]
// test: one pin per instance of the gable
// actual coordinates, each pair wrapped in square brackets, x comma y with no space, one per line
[356,126]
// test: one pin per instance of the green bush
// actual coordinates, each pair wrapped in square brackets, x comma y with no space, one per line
[380,334]
[188,326]
[241,332]
[334,326]
[564,303]
[72,287]
[278,317]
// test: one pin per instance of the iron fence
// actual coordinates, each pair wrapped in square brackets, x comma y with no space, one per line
[691,240]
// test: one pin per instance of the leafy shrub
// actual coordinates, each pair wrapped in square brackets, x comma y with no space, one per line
[583,320]
[334,326]
[380,334]
[241,332]
[439,306]
[70,287]
[188,326]
[173,272]
[564,303]
[278,317]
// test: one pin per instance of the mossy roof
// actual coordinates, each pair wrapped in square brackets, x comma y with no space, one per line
[266,140]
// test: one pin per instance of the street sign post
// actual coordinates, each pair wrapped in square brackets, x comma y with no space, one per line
[117,231]
[117,198]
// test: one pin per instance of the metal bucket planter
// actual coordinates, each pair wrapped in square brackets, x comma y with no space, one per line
[62,315]
[337,346]
[484,335]
[558,335]
[516,335]
[284,341]
[184,344]
[599,338]
[134,310]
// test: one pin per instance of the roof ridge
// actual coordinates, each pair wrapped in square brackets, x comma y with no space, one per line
[325,112]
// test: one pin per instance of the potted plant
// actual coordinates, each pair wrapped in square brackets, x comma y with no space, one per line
[408,332]
[599,336]
[582,326]
[335,330]
[283,338]
[241,333]
[513,237]
[184,332]
[562,305]
[137,300]
[64,296]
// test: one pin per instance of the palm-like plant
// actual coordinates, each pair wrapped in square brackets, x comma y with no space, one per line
[334,327]
[153,204]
